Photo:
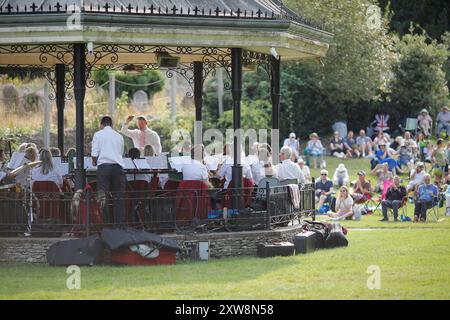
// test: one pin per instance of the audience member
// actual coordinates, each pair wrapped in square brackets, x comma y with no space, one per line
[426,197]
[394,199]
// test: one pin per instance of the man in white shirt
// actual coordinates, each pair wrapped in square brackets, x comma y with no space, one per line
[226,170]
[196,170]
[288,170]
[107,155]
[143,135]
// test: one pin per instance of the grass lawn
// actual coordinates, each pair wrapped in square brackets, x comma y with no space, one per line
[414,260]
[414,264]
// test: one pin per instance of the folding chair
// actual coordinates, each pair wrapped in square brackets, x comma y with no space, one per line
[411,125]
[433,212]
[403,210]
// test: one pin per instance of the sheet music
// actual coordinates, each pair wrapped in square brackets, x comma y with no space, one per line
[159,162]
[87,163]
[178,162]
[16,160]
[128,163]
[141,164]
[61,167]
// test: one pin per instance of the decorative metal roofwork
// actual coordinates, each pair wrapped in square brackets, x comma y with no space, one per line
[229,9]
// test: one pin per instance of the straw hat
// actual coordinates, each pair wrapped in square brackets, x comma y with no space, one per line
[313,135]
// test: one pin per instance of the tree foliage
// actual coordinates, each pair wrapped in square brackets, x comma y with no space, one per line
[419,80]
[146,77]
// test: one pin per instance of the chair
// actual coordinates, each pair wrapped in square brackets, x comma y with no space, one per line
[248,187]
[433,212]
[261,188]
[192,201]
[171,185]
[48,204]
[411,125]
[137,207]
[288,181]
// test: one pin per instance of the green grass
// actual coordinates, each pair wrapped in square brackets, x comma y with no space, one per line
[414,264]
[372,221]
[414,260]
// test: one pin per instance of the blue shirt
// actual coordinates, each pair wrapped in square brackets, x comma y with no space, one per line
[325,187]
[427,192]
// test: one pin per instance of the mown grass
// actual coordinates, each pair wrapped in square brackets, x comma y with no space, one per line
[372,221]
[414,264]
[414,260]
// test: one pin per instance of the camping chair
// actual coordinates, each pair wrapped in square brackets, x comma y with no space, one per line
[433,212]
[402,209]
[411,125]
[377,201]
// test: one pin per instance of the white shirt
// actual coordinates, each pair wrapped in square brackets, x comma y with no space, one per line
[108,146]
[293,144]
[259,172]
[290,170]
[418,178]
[227,173]
[194,171]
[306,173]
[150,137]
[52,175]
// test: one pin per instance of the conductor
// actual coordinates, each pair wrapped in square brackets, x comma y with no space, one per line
[107,151]
[143,135]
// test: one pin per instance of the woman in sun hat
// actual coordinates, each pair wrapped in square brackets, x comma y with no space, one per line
[314,147]
[424,122]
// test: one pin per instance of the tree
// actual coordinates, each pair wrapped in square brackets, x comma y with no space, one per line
[419,80]
[151,81]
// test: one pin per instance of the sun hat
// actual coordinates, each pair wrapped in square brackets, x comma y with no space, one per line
[424,111]
[292,135]
[361,173]
[313,135]
[420,164]
[341,167]
[142,117]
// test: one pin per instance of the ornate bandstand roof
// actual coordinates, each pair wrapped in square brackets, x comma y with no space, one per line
[186,27]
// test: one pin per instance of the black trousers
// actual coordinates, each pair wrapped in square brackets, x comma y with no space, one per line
[111,181]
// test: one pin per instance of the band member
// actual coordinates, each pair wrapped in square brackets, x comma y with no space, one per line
[31,154]
[143,135]
[4,174]
[107,151]
[196,169]
[46,171]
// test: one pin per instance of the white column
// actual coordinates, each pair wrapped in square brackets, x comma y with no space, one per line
[47,111]
[173,96]
[112,94]
[220,89]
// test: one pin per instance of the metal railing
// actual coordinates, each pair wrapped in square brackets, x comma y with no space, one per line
[174,211]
